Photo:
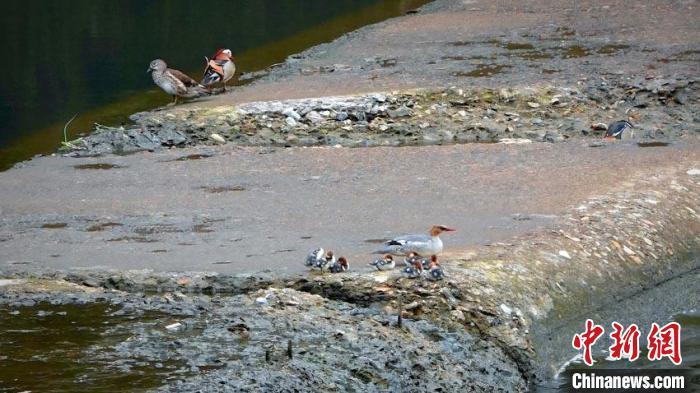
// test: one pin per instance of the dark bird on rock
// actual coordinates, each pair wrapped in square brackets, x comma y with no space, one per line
[616,129]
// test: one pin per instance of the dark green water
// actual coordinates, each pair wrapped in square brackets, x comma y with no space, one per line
[89,56]
[43,349]
[52,348]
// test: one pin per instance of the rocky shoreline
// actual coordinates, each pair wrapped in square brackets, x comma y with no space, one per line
[454,115]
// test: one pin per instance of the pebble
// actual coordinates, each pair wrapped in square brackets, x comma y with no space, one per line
[173,326]
[514,141]
[217,138]
[533,105]
[314,117]
[290,121]
[5,282]
[506,310]
[290,112]
[564,254]
[693,172]
[402,111]
[599,126]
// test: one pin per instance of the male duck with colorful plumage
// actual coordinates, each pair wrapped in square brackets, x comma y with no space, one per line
[220,68]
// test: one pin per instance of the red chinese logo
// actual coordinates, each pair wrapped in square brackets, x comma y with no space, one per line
[586,340]
[665,342]
[625,342]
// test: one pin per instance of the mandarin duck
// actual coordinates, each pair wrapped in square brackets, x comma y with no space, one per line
[220,68]
[174,82]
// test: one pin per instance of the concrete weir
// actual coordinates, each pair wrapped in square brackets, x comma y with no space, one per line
[164,243]
[502,319]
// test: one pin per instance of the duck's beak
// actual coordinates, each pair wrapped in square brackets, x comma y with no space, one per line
[446,229]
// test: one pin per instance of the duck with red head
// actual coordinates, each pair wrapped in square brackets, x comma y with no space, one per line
[410,258]
[340,266]
[327,261]
[220,69]
[435,272]
[413,271]
[386,263]
[429,244]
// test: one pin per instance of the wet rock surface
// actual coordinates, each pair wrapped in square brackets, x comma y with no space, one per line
[242,342]
[453,115]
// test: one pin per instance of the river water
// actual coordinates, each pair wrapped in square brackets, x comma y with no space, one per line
[89,56]
[62,348]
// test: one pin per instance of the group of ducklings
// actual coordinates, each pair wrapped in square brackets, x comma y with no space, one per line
[415,266]
[326,261]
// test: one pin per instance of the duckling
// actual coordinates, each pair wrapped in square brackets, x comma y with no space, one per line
[435,272]
[427,262]
[314,256]
[616,129]
[326,261]
[413,271]
[340,266]
[410,258]
[386,263]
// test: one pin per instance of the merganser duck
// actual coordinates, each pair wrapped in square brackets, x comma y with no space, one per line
[435,272]
[325,262]
[616,129]
[429,244]
[174,82]
[429,261]
[220,68]
[314,256]
[413,271]
[410,258]
[340,266]
[386,263]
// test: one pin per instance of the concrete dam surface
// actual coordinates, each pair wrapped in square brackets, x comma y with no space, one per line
[166,252]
